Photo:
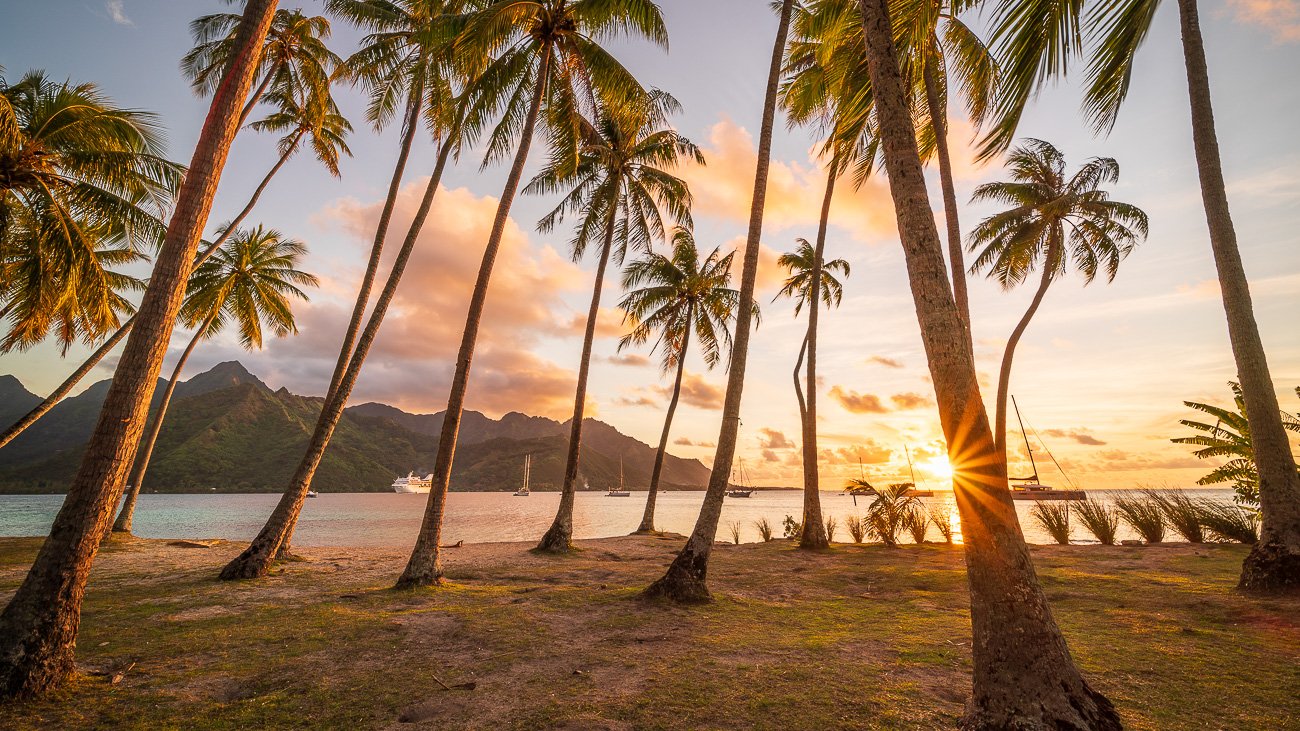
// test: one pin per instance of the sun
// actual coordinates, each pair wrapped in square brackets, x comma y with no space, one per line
[938,466]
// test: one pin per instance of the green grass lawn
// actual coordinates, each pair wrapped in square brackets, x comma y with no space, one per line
[857,637]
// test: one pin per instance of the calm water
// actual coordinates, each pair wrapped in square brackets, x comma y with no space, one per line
[389,519]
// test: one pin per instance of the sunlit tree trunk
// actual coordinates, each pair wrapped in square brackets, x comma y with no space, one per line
[256,560]
[814,529]
[1004,374]
[145,452]
[1274,561]
[1024,677]
[424,568]
[648,517]
[684,581]
[939,120]
[38,627]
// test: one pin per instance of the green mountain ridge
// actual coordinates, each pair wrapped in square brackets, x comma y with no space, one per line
[227,431]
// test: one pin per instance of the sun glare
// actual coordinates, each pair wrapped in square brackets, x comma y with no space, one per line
[939,467]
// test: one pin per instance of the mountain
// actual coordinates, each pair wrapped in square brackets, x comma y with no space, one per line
[227,431]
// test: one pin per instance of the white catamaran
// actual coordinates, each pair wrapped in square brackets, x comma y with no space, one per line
[528,471]
[1032,488]
[413,483]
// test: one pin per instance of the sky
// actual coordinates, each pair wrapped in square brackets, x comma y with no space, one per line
[1100,374]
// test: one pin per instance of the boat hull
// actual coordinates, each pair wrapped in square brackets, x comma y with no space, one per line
[1048,495]
[412,489]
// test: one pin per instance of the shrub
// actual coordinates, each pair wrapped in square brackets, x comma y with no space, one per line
[942,520]
[1100,519]
[857,528]
[793,529]
[917,522]
[1055,519]
[1181,512]
[885,516]
[764,529]
[1230,523]
[831,525]
[735,531]
[1144,516]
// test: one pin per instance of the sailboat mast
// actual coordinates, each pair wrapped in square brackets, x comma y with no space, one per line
[907,450]
[1025,437]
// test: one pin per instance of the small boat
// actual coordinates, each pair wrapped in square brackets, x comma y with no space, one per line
[740,488]
[619,491]
[413,483]
[1032,488]
[528,468]
[312,493]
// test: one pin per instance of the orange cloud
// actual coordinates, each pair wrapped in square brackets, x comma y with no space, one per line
[858,403]
[886,362]
[697,392]
[906,401]
[1281,18]
[773,439]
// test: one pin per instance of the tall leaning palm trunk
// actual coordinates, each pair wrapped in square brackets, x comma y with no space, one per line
[814,528]
[648,517]
[1024,676]
[1008,354]
[424,568]
[38,627]
[1274,562]
[126,514]
[559,537]
[273,540]
[684,580]
[939,121]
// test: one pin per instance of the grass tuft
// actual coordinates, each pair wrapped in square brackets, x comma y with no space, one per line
[1181,512]
[942,520]
[1100,519]
[831,525]
[857,528]
[916,522]
[1055,519]
[764,529]
[1230,523]
[1144,516]
[735,531]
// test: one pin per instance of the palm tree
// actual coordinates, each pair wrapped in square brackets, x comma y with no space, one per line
[294,55]
[684,581]
[810,277]
[679,297]
[248,282]
[38,627]
[1053,221]
[404,61]
[1229,436]
[1023,673]
[82,184]
[1119,29]
[617,190]
[548,63]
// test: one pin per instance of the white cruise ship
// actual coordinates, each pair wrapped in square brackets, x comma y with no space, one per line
[413,483]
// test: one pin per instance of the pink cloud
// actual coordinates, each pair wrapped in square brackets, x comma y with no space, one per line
[1281,18]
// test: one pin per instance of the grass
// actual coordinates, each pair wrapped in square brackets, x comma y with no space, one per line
[831,524]
[1101,520]
[856,637]
[916,521]
[764,529]
[942,520]
[1181,513]
[1055,519]
[1229,523]
[1144,516]
[857,528]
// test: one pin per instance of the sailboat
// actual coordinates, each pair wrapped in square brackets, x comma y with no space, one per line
[619,491]
[741,488]
[528,470]
[1031,488]
[913,491]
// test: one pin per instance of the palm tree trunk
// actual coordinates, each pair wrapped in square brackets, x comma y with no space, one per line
[798,380]
[1023,676]
[684,581]
[813,534]
[257,93]
[38,627]
[424,568]
[939,120]
[412,123]
[1273,564]
[559,537]
[274,537]
[133,483]
[1004,375]
[648,518]
[57,395]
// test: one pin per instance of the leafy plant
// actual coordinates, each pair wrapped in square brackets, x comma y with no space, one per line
[831,525]
[764,529]
[857,528]
[793,529]
[1055,519]
[886,513]
[1181,513]
[1100,519]
[1230,523]
[917,522]
[942,520]
[1143,516]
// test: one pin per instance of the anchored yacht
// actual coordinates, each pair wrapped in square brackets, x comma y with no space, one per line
[413,483]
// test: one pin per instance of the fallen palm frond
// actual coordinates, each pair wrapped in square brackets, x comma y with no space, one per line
[1230,523]
[1181,513]
[1055,519]
[857,528]
[1144,516]
[917,522]
[942,520]
[1100,519]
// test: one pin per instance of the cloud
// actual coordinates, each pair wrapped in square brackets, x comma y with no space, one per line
[773,439]
[858,403]
[1079,435]
[411,362]
[1281,18]
[117,12]
[771,275]
[638,401]
[696,392]
[886,362]
[868,452]
[906,401]
[629,359]
[725,186]
[684,442]
[770,456]
[609,324]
